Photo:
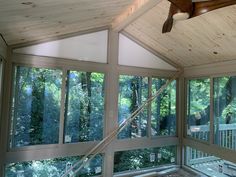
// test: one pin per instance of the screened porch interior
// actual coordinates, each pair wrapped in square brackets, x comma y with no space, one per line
[95,89]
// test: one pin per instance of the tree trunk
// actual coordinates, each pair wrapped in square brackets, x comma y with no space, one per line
[85,107]
[221,103]
[89,107]
[133,107]
[37,109]
[158,106]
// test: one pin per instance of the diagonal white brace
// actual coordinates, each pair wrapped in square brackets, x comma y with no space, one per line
[108,139]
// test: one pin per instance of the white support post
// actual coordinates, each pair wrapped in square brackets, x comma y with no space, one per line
[180,119]
[211,138]
[5,123]
[111,117]
[149,128]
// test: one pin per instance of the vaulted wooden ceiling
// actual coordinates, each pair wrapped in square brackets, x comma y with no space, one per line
[208,38]
[205,39]
[30,20]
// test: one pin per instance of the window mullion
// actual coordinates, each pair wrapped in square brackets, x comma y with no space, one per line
[212,111]
[62,108]
[149,134]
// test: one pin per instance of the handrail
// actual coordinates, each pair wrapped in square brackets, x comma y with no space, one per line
[106,141]
[200,128]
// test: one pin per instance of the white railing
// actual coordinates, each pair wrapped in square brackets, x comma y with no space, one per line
[225,136]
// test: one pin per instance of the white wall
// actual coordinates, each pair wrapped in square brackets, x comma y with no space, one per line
[132,54]
[88,47]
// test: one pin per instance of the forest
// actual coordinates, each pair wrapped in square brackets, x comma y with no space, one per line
[36,109]
[224,109]
[36,112]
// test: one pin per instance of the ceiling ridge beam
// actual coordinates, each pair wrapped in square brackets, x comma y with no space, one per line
[153,51]
[135,10]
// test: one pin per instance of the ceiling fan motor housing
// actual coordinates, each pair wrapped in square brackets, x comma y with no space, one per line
[181,16]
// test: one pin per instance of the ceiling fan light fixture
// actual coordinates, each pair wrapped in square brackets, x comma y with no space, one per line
[181,16]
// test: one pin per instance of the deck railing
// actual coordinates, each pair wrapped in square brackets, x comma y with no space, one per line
[225,136]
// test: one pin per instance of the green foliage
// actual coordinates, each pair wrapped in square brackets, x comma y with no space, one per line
[84,106]
[133,91]
[36,116]
[198,95]
[163,109]
[52,167]
[138,159]
[224,99]
[36,106]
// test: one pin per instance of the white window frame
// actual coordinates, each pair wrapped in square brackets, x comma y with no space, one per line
[207,71]
[112,71]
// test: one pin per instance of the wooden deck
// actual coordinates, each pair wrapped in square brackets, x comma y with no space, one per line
[217,168]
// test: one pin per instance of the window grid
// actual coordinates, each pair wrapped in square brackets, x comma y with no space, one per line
[28,149]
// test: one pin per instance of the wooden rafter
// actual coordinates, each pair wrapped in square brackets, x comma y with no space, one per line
[137,9]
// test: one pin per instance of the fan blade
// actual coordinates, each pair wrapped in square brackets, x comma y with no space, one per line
[183,5]
[167,26]
[207,6]
[200,0]
[172,11]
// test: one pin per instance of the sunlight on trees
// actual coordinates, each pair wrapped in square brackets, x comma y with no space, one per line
[198,108]
[163,110]
[143,158]
[36,106]
[225,112]
[133,91]
[53,167]
[84,107]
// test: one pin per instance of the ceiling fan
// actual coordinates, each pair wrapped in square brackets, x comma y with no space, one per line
[185,9]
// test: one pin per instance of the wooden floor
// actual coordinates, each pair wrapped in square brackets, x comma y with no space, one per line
[210,168]
[181,173]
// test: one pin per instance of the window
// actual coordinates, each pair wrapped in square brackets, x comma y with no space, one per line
[143,158]
[209,164]
[224,112]
[198,108]
[35,106]
[133,91]
[84,106]
[163,117]
[53,167]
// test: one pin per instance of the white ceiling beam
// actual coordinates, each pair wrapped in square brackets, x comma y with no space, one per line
[135,10]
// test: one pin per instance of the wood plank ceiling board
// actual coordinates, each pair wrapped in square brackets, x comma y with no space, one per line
[208,38]
[23,21]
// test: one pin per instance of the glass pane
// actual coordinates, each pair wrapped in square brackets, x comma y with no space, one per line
[209,164]
[163,109]
[224,112]
[142,158]
[198,109]
[84,107]
[35,106]
[53,167]
[133,91]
